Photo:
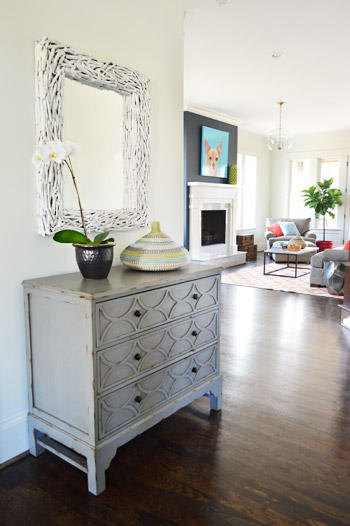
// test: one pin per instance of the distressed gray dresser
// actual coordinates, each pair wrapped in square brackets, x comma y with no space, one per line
[108,359]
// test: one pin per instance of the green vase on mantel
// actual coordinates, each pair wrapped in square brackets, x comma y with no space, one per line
[155,251]
[232,174]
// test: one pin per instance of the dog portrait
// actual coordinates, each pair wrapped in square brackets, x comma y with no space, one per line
[214,154]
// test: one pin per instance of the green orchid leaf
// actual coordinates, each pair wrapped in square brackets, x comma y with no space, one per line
[70,236]
[100,237]
[109,240]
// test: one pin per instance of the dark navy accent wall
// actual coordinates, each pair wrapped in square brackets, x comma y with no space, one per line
[192,154]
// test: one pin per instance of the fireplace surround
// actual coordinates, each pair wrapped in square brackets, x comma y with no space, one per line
[212,224]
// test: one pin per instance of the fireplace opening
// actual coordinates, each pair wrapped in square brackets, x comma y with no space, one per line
[213,227]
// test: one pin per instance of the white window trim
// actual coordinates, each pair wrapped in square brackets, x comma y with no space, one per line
[244,152]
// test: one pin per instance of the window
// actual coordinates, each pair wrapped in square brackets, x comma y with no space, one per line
[302,177]
[299,181]
[246,187]
[329,168]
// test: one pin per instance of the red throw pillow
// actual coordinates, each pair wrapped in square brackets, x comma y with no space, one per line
[276,229]
[346,247]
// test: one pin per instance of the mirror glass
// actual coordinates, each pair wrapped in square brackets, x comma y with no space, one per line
[93,119]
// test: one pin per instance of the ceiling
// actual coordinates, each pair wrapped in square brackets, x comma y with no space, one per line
[228,68]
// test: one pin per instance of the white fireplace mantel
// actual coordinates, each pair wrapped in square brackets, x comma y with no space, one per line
[212,196]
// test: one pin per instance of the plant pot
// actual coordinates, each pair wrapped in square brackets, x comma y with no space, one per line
[323,245]
[94,261]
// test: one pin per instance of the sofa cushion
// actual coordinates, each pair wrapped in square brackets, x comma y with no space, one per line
[346,246]
[303,224]
[276,229]
[289,228]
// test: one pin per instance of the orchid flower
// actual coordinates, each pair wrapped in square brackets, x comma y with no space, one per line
[60,152]
[53,151]
[71,148]
[37,158]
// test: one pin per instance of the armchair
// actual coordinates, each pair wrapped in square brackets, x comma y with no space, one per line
[303,225]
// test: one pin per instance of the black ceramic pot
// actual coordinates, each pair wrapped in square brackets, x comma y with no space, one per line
[94,261]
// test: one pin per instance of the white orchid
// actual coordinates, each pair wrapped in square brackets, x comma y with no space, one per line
[61,152]
[37,158]
[71,148]
[53,151]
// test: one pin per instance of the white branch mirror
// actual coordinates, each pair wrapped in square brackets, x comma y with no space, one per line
[54,63]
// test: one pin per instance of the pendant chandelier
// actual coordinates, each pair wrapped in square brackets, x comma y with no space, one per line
[279,139]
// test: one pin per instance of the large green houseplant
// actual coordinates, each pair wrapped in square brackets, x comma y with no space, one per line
[323,199]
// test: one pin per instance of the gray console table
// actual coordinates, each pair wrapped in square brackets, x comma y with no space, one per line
[108,359]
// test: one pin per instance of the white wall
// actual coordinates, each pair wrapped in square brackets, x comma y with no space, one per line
[147,36]
[316,143]
[254,144]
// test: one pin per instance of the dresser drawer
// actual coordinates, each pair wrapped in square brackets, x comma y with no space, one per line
[131,314]
[139,355]
[126,405]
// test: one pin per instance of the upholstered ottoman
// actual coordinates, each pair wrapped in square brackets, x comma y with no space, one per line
[303,258]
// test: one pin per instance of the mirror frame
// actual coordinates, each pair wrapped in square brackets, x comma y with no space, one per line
[54,62]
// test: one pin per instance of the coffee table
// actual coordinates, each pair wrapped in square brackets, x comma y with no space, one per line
[290,264]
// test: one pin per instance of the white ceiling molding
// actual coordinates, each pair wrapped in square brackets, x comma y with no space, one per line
[211,114]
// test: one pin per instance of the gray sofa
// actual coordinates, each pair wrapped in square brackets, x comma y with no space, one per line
[320,262]
[303,225]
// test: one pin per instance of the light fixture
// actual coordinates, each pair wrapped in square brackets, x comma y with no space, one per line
[277,55]
[222,3]
[279,139]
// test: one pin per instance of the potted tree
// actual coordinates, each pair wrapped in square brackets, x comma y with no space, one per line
[323,199]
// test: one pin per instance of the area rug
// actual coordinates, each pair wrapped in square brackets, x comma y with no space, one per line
[254,277]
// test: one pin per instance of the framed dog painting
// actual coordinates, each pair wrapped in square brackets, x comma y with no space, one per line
[214,155]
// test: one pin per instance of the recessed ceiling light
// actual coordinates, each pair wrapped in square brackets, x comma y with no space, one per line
[222,3]
[277,54]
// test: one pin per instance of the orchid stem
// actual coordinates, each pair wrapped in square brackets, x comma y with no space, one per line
[70,167]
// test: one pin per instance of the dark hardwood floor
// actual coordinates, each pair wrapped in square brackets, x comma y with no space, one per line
[277,454]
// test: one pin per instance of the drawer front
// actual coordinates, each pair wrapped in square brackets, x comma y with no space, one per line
[139,355]
[129,315]
[126,405]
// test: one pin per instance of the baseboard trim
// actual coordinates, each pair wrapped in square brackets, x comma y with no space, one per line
[13,437]
[14,460]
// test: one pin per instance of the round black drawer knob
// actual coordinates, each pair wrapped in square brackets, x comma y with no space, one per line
[194,369]
[195,296]
[137,313]
[194,333]
[138,399]
[137,356]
